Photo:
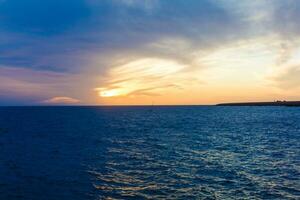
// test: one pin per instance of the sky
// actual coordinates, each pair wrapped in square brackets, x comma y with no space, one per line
[143,52]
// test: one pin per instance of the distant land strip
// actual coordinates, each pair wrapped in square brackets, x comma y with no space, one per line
[274,103]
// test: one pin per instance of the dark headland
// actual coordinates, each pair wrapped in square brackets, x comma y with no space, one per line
[273,103]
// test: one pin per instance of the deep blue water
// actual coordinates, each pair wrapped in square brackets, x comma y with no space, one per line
[190,152]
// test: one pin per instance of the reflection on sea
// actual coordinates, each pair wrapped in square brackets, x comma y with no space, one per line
[177,156]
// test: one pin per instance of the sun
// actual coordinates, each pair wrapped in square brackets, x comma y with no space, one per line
[104,92]
[108,93]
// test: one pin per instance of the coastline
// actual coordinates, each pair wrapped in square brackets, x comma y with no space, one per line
[274,103]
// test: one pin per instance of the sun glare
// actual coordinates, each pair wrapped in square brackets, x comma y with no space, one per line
[109,93]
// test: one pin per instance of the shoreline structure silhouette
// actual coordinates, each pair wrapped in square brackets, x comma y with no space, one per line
[274,103]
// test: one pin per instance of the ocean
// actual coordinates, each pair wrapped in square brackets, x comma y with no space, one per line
[149,152]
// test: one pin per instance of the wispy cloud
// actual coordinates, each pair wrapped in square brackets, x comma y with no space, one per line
[32,85]
[288,78]
[61,100]
[147,77]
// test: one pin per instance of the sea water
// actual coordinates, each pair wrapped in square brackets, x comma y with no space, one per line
[151,152]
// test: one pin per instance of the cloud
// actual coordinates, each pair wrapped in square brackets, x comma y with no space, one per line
[61,100]
[148,5]
[146,77]
[94,38]
[285,18]
[18,79]
[32,86]
[109,29]
[288,79]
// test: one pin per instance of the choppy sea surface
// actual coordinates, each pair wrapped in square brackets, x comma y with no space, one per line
[171,152]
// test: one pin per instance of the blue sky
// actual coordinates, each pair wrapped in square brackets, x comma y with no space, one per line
[139,51]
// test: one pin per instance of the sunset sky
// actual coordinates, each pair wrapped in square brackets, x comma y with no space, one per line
[120,52]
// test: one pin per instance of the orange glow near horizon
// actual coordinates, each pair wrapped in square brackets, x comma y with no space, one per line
[240,71]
